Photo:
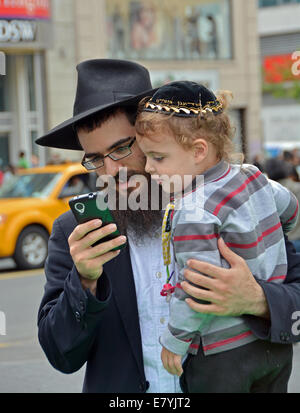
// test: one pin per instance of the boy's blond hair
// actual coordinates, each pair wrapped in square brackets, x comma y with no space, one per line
[214,128]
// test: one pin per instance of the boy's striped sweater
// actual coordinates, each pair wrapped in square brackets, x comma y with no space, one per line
[251,214]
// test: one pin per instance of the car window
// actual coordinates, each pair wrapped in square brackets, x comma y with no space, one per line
[30,185]
[77,185]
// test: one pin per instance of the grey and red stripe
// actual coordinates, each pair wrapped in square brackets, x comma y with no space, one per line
[251,214]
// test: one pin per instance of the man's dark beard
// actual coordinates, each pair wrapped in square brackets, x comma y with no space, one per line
[142,222]
[139,223]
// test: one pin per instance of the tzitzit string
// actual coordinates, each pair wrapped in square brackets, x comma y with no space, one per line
[166,238]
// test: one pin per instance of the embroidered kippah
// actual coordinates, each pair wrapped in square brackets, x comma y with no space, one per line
[184,98]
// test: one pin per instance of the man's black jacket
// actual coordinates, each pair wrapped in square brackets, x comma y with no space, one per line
[75,327]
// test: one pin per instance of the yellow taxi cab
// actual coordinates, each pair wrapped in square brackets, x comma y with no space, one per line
[30,201]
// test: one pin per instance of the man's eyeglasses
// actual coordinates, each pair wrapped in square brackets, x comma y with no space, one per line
[115,155]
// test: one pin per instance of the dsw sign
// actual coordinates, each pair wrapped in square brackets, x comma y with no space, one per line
[17,31]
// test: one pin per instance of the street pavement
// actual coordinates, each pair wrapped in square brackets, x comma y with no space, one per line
[23,365]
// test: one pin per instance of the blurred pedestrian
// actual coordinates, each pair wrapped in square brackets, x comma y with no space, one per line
[277,169]
[23,162]
[10,171]
[55,159]
[284,173]
[296,158]
[294,174]
[75,186]
[35,162]
[291,157]
[287,156]
[258,162]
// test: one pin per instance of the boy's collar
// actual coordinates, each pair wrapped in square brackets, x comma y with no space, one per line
[214,174]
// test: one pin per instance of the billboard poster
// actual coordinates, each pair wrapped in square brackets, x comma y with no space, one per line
[281,68]
[155,29]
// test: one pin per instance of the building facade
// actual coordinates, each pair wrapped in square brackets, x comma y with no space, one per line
[210,41]
[25,35]
[279,31]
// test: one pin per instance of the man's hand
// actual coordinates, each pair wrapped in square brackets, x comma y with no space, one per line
[171,362]
[229,292]
[89,260]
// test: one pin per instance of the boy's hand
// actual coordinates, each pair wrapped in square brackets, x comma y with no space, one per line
[171,362]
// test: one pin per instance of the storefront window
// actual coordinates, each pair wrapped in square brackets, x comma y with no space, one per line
[35,148]
[5,95]
[4,150]
[270,3]
[190,29]
[31,85]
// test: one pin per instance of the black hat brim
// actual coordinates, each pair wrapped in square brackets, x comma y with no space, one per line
[64,136]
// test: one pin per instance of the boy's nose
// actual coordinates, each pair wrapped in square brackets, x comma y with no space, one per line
[149,167]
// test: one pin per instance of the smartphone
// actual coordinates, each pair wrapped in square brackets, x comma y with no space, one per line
[85,208]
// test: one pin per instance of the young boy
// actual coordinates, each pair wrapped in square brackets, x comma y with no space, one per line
[184,130]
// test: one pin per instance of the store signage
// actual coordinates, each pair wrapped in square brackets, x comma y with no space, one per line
[296,65]
[2,64]
[281,68]
[16,31]
[25,9]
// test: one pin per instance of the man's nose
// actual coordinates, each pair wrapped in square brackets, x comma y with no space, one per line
[111,167]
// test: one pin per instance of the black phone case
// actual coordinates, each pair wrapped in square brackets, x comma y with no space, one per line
[84,208]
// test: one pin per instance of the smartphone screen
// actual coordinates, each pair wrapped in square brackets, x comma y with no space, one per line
[86,208]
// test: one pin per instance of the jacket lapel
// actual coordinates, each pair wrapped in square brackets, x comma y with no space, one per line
[120,273]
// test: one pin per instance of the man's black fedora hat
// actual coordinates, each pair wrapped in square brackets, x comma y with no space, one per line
[102,84]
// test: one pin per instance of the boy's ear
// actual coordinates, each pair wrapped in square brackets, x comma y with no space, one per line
[200,148]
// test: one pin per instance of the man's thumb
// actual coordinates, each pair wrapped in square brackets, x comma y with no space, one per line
[226,252]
